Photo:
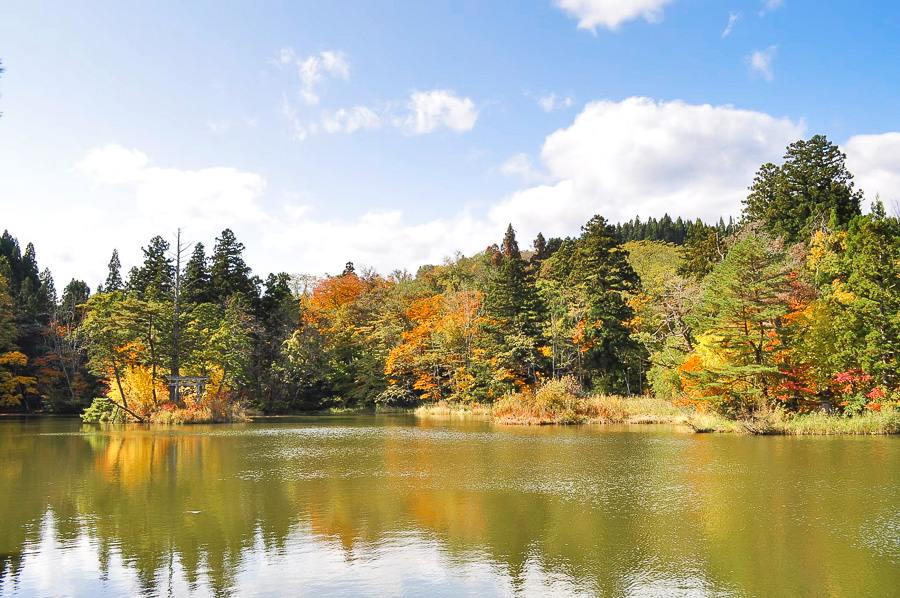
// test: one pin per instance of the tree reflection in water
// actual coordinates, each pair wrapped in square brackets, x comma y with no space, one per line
[391,505]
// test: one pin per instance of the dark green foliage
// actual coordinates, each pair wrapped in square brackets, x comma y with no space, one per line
[705,246]
[810,190]
[197,282]
[114,278]
[155,278]
[76,293]
[229,274]
[540,248]
[513,312]
[278,314]
[598,276]
[665,229]
[741,318]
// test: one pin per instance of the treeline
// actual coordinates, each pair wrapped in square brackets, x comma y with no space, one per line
[677,232]
[796,305]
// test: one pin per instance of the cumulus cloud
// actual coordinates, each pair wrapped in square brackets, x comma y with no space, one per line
[128,199]
[638,156]
[313,69]
[761,62]
[383,239]
[429,110]
[552,102]
[617,159]
[732,19]
[612,13]
[874,161]
[171,195]
[521,165]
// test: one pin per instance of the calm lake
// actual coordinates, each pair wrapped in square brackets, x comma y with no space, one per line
[395,506]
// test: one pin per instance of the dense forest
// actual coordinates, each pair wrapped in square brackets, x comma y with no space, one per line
[796,305]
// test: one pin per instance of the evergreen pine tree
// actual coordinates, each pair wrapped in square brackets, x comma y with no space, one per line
[197,283]
[512,313]
[803,194]
[114,278]
[596,268]
[155,278]
[228,271]
[510,247]
[740,321]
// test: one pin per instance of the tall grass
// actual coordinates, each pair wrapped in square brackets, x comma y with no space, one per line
[445,409]
[886,421]
[560,402]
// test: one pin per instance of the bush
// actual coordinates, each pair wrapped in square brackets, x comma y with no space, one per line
[396,396]
[103,410]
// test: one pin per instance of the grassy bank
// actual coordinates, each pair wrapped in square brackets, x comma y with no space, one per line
[445,409]
[559,402]
[775,422]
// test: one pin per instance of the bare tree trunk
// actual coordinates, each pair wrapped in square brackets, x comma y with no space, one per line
[119,381]
[221,382]
[152,359]
[127,410]
[122,394]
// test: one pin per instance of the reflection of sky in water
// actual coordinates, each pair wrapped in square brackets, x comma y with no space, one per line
[402,564]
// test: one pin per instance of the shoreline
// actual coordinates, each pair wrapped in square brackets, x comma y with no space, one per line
[634,412]
[597,410]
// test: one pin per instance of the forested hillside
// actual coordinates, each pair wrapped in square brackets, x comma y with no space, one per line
[794,305]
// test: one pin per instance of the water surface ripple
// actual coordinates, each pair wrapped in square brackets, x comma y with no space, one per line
[394,506]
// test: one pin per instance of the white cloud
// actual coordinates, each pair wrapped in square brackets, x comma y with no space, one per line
[429,110]
[348,121]
[874,161]
[298,130]
[553,102]
[617,159]
[313,69]
[425,113]
[128,200]
[131,200]
[187,197]
[637,156]
[732,19]
[521,165]
[761,62]
[612,13]
[770,5]
[384,239]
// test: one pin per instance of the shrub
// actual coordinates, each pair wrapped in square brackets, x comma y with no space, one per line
[102,410]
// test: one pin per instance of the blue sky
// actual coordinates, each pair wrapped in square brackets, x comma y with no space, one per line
[392,134]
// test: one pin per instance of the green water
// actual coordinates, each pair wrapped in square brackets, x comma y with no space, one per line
[393,506]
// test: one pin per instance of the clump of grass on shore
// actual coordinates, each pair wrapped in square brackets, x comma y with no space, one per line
[445,409]
[560,402]
[886,421]
[775,421]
